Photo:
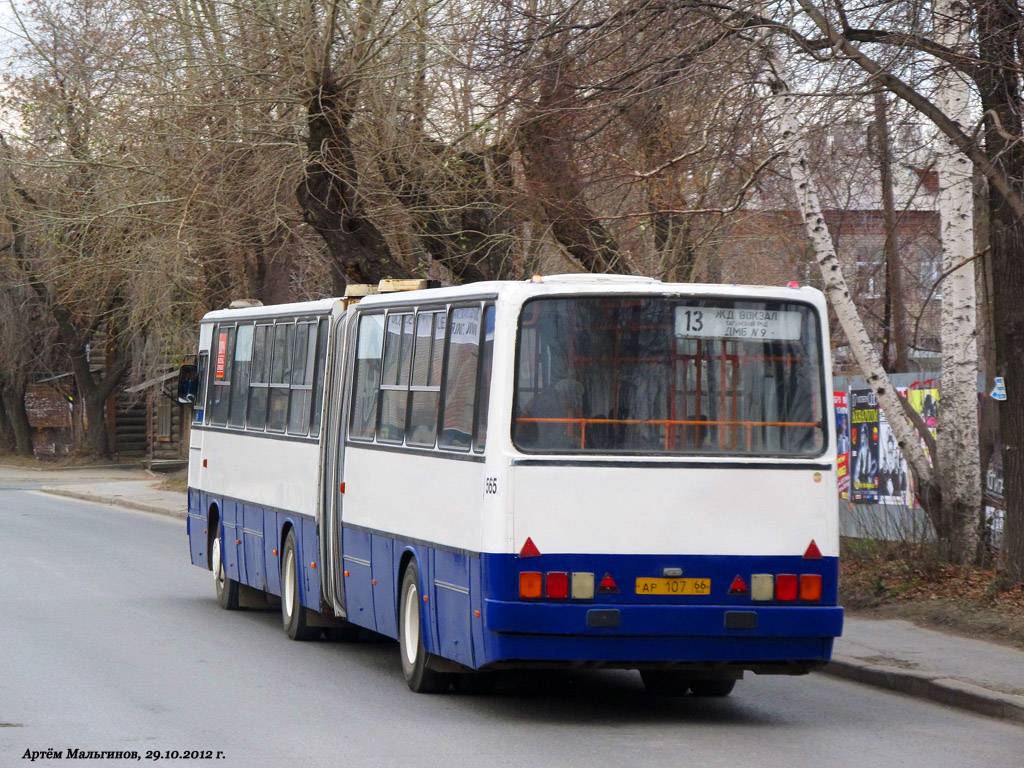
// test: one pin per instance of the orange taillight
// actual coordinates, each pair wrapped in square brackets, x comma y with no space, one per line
[531,584]
[810,586]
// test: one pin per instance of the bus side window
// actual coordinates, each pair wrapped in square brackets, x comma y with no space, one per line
[240,376]
[321,367]
[425,385]
[280,376]
[224,349]
[367,377]
[258,386]
[484,390]
[460,378]
[303,353]
[395,384]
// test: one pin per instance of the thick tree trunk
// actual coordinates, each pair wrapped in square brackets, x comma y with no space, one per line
[94,393]
[999,27]
[329,198]
[6,430]
[554,179]
[14,407]
[959,467]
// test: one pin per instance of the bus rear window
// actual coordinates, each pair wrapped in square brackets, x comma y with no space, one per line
[669,375]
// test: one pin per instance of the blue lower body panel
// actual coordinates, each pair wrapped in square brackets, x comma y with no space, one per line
[647,633]
[253,537]
[472,613]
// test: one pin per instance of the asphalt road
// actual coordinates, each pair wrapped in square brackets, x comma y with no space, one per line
[111,640]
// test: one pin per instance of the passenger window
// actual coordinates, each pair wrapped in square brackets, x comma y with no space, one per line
[426,376]
[280,372]
[367,375]
[483,398]
[460,378]
[321,366]
[303,352]
[240,376]
[259,385]
[223,349]
[394,396]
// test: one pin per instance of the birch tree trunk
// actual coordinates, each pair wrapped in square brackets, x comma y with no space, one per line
[835,285]
[960,469]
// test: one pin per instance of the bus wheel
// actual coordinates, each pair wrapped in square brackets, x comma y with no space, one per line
[712,688]
[227,589]
[418,676]
[665,682]
[293,613]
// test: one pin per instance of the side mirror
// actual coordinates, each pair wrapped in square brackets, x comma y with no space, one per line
[188,384]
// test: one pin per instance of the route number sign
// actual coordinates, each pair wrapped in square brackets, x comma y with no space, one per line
[703,322]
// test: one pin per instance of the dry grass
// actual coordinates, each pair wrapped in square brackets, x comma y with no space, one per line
[894,581]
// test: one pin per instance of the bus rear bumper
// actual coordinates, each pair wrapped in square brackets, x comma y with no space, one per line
[631,635]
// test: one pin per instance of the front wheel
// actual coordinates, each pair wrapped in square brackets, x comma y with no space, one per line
[227,589]
[293,613]
[418,676]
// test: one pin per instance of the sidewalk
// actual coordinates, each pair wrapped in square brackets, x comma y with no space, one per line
[959,672]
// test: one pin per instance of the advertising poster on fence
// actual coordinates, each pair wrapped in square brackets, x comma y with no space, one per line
[843,443]
[864,444]
[893,473]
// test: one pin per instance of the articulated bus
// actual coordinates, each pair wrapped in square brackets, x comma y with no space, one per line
[574,471]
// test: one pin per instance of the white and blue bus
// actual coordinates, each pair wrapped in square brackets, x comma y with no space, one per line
[573,470]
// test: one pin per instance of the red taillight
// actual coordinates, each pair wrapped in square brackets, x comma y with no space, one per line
[739,586]
[812,553]
[785,586]
[557,585]
[608,585]
[810,586]
[530,583]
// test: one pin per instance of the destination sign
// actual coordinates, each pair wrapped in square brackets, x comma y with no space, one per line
[734,323]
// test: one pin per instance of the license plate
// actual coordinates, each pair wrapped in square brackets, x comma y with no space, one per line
[673,586]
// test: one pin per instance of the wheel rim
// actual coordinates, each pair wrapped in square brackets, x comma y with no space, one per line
[289,582]
[218,566]
[411,623]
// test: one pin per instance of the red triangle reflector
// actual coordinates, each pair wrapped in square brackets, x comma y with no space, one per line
[529,549]
[739,586]
[812,553]
[607,585]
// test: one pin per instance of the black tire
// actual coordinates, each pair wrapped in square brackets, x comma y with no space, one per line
[665,682]
[418,676]
[293,613]
[227,589]
[712,688]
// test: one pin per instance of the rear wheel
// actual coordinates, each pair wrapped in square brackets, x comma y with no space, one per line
[227,589]
[712,688]
[665,682]
[418,676]
[293,613]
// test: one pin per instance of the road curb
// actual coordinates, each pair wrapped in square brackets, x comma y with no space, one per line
[953,693]
[116,501]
